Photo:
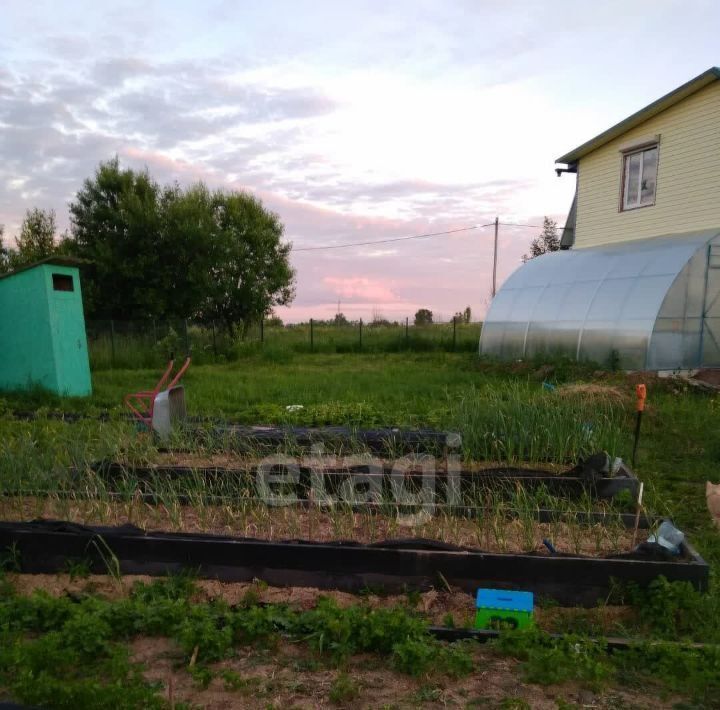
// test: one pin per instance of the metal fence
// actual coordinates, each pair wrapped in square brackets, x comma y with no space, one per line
[148,344]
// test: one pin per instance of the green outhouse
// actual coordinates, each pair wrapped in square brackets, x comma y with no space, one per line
[42,329]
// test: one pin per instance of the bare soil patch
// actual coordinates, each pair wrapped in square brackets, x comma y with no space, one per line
[710,377]
[607,394]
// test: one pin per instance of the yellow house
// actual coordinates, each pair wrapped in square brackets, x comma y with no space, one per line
[657,172]
[636,283]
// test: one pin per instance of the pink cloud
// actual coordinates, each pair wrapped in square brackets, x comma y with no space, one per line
[361,288]
[164,167]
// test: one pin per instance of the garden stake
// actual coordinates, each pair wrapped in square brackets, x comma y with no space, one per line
[641,393]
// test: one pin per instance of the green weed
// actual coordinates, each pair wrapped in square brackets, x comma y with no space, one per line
[343,689]
[675,611]
[233,681]
[10,559]
[78,568]
[202,676]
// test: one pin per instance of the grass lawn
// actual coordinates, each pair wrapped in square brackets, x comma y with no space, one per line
[518,412]
[405,389]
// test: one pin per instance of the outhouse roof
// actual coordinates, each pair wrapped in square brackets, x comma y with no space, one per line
[51,260]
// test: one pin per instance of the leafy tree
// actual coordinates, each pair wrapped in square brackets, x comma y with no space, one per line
[423,317]
[547,241]
[249,267]
[188,231]
[165,252]
[116,226]
[340,319]
[36,240]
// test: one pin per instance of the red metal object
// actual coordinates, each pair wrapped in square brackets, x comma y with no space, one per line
[141,404]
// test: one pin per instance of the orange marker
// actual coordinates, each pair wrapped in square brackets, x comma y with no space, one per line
[641,392]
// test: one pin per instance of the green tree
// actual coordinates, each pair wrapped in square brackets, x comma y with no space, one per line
[548,240]
[169,252]
[423,317]
[249,267]
[115,225]
[36,240]
[188,233]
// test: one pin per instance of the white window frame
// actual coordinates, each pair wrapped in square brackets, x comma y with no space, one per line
[638,150]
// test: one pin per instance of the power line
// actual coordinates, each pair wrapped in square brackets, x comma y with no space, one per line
[419,236]
[395,239]
[533,226]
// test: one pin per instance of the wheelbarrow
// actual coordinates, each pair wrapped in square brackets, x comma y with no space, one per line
[158,409]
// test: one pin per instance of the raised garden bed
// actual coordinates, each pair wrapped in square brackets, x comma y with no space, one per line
[44,547]
[269,438]
[573,482]
[501,530]
[377,441]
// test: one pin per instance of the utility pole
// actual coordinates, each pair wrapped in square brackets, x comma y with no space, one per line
[497,221]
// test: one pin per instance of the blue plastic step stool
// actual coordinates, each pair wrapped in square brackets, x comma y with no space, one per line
[500,608]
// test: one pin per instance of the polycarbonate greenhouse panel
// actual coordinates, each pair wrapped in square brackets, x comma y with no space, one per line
[653,303]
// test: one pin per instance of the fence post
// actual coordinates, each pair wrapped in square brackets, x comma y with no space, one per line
[312,337]
[112,343]
[407,333]
[187,341]
[361,334]
[262,330]
[454,332]
[154,332]
[212,325]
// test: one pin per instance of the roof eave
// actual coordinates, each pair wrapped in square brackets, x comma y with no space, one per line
[656,107]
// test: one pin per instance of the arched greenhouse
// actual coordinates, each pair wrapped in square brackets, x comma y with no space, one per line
[650,304]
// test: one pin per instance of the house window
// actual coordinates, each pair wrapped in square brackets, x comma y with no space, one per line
[639,178]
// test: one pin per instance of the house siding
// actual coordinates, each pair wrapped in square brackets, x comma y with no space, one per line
[688,181]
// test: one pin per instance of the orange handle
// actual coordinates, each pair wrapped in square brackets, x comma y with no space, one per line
[641,392]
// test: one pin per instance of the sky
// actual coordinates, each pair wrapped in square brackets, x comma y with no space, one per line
[355,121]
